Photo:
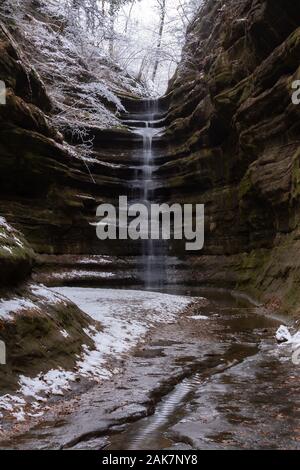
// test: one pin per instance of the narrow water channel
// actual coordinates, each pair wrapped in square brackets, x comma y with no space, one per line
[245,397]
[214,379]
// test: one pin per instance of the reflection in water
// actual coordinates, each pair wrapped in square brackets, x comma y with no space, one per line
[227,405]
[237,391]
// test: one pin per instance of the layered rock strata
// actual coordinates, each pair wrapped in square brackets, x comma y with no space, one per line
[233,144]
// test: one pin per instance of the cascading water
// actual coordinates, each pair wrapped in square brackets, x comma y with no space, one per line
[147,179]
[153,251]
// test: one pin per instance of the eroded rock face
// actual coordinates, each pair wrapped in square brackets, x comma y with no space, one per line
[234,143]
[50,190]
[44,191]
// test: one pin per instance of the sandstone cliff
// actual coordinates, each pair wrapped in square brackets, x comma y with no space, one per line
[50,184]
[233,140]
[232,143]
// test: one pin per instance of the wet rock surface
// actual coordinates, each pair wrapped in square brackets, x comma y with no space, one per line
[234,144]
[215,383]
[48,199]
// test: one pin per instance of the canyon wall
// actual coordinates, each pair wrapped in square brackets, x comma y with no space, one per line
[50,186]
[63,149]
[233,144]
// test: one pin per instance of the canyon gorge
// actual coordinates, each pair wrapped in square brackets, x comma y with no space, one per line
[225,134]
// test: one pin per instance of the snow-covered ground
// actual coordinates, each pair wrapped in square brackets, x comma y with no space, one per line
[126,317]
[17,305]
[289,345]
[81,274]
[285,337]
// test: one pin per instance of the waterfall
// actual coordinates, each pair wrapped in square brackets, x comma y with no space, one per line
[153,251]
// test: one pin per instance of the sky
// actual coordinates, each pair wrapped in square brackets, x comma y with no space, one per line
[143,35]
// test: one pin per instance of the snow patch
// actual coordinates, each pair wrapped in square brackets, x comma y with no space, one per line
[6,248]
[199,317]
[283,334]
[55,382]
[78,274]
[125,316]
[13,306]
[64,333]
[47,294]
[9,237]
[4,224]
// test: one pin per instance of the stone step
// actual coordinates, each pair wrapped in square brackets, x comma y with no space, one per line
[100,271]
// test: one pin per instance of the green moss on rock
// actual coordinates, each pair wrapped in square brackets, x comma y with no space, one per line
[16,255]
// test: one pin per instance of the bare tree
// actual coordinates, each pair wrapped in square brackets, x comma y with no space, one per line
[114,7]
[162,13]
[129,17]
